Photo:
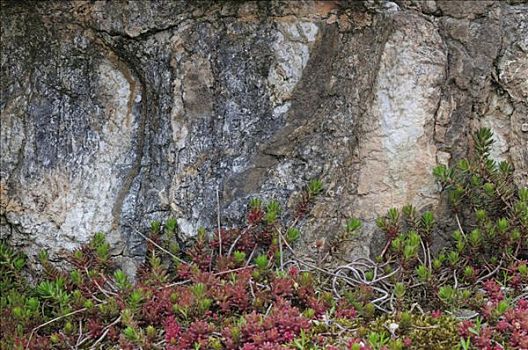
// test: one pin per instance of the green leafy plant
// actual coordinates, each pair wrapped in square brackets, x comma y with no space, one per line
[353,225]
[272,211]
[293,234]
[315,187]
[261,262]
[171,225]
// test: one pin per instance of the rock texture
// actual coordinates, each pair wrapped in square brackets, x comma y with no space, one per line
[117,113]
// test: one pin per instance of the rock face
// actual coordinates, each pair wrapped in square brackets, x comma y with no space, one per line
[114,114]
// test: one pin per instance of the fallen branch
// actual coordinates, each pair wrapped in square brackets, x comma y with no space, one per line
[50,322]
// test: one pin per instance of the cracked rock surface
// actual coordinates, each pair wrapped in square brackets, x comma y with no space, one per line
[117,113]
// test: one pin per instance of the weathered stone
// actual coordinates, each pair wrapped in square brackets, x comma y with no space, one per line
[114,114]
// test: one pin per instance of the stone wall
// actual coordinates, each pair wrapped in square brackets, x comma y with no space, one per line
[116,113]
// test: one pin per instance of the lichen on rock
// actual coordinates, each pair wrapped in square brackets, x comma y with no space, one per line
[114,114]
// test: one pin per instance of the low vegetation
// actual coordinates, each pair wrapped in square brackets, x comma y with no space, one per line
[245,288]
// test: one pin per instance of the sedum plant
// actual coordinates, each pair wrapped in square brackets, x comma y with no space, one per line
[246,288]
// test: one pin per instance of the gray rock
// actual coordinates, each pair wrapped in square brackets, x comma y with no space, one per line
[114,114]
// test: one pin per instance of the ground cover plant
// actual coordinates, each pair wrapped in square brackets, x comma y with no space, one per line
[246,288]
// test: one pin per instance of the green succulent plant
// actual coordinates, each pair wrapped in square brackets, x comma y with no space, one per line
[315,187]
[293,234]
